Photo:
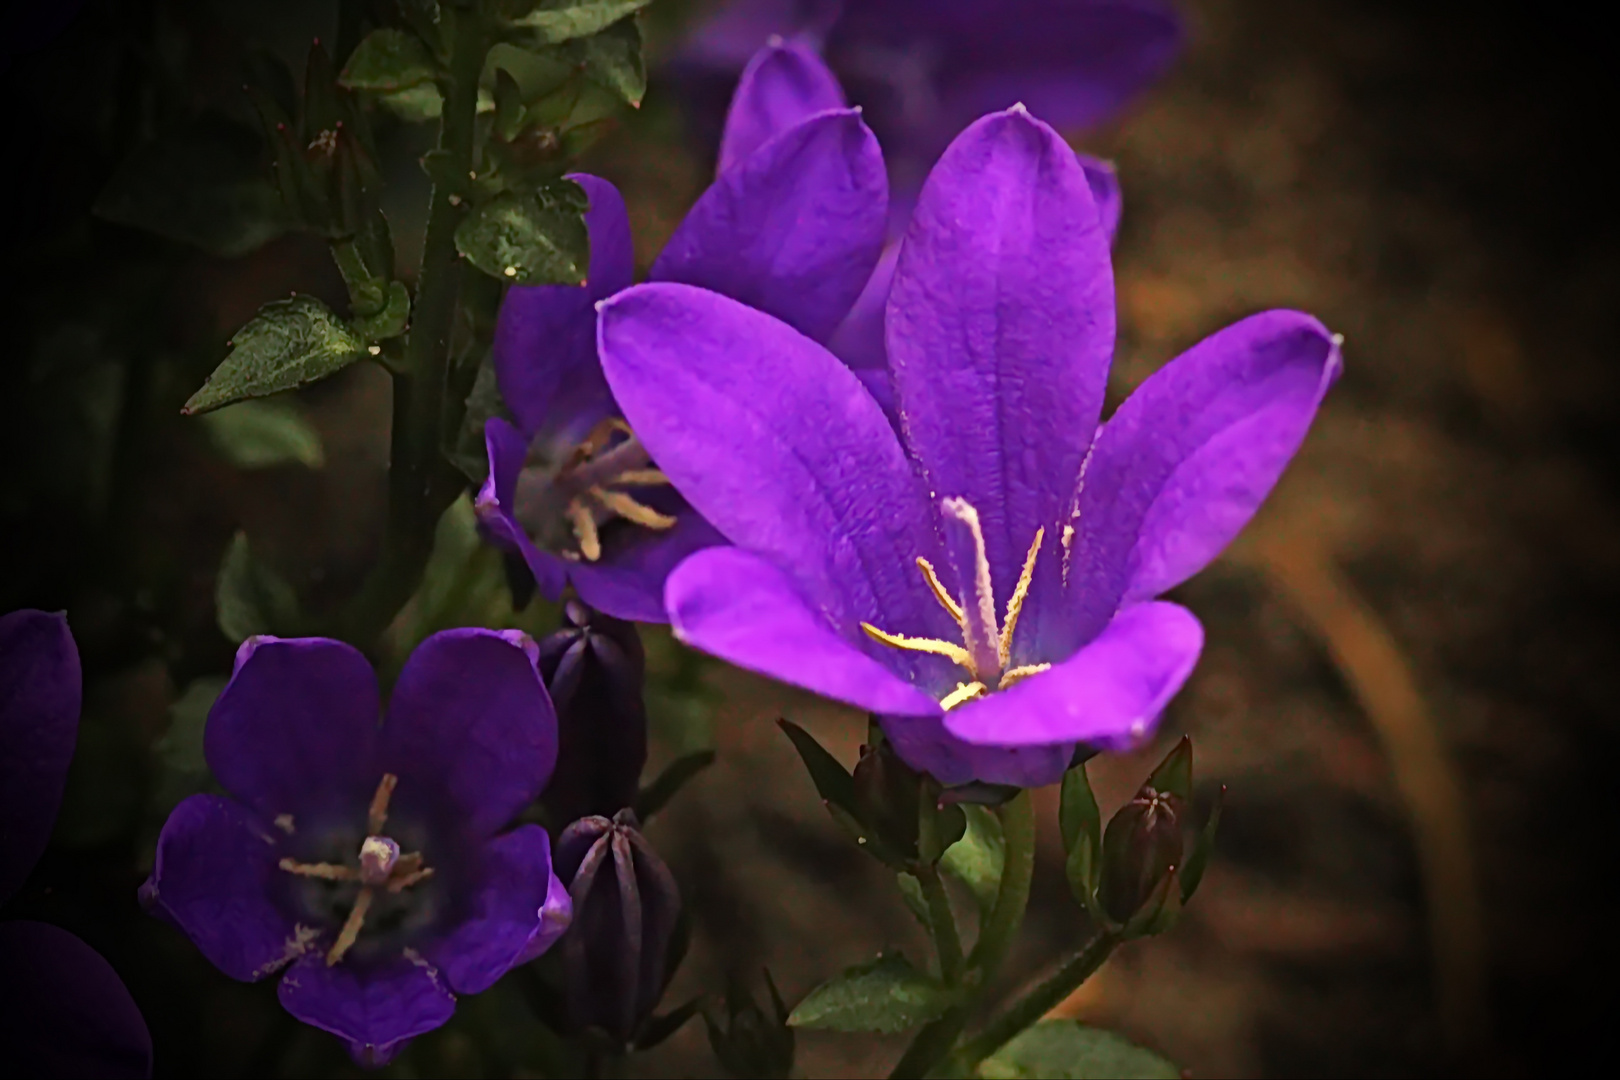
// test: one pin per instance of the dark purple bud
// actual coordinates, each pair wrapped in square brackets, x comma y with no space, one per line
[1141,846]
[626,907]
[595,669]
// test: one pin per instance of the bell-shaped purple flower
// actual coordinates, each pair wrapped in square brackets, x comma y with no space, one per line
[985,581]
[626,907]
[366,864]
[595,669]
[792,227]
[66,1011]
[924,69]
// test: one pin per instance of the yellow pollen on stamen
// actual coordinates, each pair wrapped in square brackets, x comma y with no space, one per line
[946,600]
[399,884]
[377,815]
[1016,604]
[351,928]
[324,871]
[640,478]
[980,633]
[1018,674]
[955,653]
[626,507]
[584,523]
[964,692]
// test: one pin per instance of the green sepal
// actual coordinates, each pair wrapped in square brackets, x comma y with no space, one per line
[978,857]
[1078,814]
[613,61]
[1081,868]
[322,109]
[1174,774]
[1198,859]
[288,344]
[1160,911]
[656,795]
[885,995]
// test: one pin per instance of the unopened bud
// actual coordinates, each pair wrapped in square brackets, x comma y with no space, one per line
[1141,845]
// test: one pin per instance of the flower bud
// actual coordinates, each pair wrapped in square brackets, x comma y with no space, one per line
[1141,845]
[753,1043]
[626,906]
[595,669]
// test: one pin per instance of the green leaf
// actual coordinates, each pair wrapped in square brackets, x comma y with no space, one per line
[528,239]
[288,344]
[976,859]
[388,60]
[258,434]
[182,769]
[886,995]
[415,104]
[250,597]
[656,795]
[392,320]
[1068,1050]
[563,20]
[1077,810]
[535,73]
[911,892]
[1198,859]
[612,60]
[201,185]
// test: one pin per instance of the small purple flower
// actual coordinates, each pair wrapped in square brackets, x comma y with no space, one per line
[368,861]
[793,228]
[66,1011]
[985,582]
[924,69]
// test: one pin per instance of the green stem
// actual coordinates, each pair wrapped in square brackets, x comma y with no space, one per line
[420,486]
[932,1044]
[1012,897]
[1036,1003]
[947,942]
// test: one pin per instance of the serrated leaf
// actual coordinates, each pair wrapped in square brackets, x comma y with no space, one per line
[613,60]
[250,598]
[563,20]
[288,344]
[977,859]
[535,73]
[259,434]
[1068,1050]
[886,995]
[388,60]
[527,240]
[201,185]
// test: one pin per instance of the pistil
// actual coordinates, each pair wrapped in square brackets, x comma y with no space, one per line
[587,488]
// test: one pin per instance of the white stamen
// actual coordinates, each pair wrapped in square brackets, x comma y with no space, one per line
[980,632]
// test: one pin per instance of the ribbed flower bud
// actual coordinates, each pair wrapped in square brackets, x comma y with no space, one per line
[626,906]
[595,669]
[1142,844]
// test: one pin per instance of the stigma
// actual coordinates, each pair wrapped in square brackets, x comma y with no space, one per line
[588,489]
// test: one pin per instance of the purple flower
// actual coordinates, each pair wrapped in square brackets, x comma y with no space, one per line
[792,228]
[66,1011]
[984,583]
[368,861]
[924,69]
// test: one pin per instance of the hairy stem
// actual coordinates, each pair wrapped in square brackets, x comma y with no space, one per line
[1036,1003]
[947,942]
[1012,897]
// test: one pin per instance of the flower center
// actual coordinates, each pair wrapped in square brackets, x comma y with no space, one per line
[585,490]
[986,648]
[381,868]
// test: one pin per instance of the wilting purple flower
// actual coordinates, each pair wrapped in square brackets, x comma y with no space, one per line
[924,69]
[626,907]
[595,669]
[985,583]
[66,1012]
[368,861]
[792,228]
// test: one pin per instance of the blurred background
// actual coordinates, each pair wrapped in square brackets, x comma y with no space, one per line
[1408,653]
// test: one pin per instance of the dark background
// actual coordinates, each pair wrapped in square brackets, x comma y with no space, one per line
[1409,677]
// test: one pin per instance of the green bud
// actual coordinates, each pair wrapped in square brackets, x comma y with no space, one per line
[1140,848]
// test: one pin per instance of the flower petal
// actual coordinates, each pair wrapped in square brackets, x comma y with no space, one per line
[40,692]
[556,914]
[741,608]
[545,335]
[1000,329]
[777,444]
[1189,457]
[923,743]
[1109,694]
[794,229]
[628,581]
[374,1007]
[295,729]
[783,84]
[508,449]
[67,1013]
[470,729]
[858,341]
[217,879]
[507,912]
[1103,180]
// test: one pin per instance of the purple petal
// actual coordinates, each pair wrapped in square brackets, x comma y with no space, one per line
[1109,694]
[470,730]
[1103,180]
[295,729]
[1188,458]
[782,85]
[858,341]
[67,1013]
[40,691]
[1000,329]
[507,912]
[216,877]
[545,335]
[628,581]
[777,444]
[508,449]
[730,38]
[374,1007]
[923,743]
[555,916]
[739,607]
[794,229]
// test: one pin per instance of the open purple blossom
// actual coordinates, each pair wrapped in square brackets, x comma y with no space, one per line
[791,228]
[924,69]
[367,862]
[985,581]
[66,1012]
